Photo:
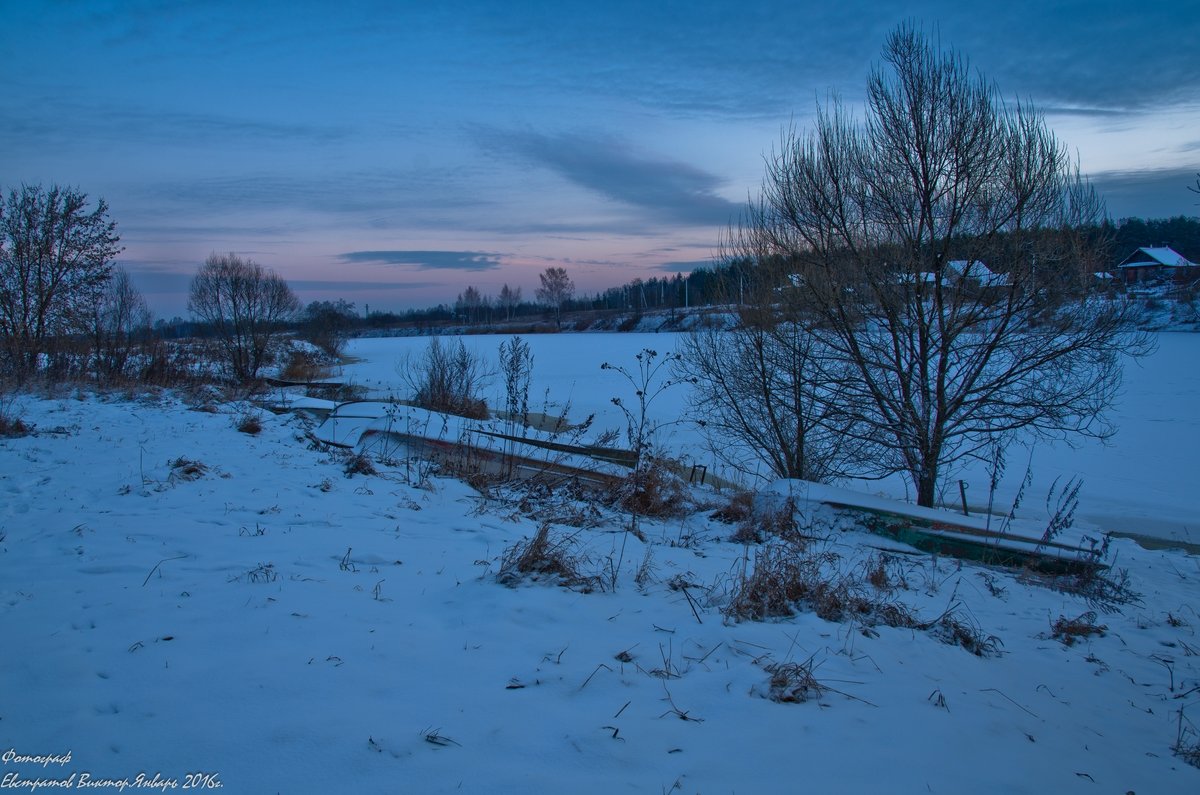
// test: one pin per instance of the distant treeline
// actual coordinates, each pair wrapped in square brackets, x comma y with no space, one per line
[1129,234]
[718,284]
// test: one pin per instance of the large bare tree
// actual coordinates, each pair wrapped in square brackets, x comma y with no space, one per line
[246,305]
[936,248]
[557,288]
[55,259]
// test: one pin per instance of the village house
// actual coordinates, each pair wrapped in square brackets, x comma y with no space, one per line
[1156,264]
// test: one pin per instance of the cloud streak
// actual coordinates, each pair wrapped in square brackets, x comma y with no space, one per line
[50,122]
[666,190]
[427,260]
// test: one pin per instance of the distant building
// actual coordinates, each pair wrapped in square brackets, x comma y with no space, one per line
[972,273]
[1156,264]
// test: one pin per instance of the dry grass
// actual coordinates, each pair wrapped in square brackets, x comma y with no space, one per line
[788,576]
[186,469]
[359,464]
[544,555]
[249,423]
[737,510]
[1106,590]
[958,628]
[654,490]
[303,367]
[12,427]
[792,683]
[1070,630]
[877,573]
[1187,741]
[772,589]
[758,524]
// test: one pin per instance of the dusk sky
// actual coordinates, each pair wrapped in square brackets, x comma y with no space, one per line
[392,153]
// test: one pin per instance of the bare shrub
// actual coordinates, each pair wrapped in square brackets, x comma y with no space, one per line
[170,363]
[544,556]
[302,366]
[327,324]
[1061,506]
[516,367]
[1069,630]
[447,378]
[629,323]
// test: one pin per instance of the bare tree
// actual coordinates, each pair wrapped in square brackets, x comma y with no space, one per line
[509,299]
[246,304]
[55,259]
[867,226]
[470,302]
[327,324]
[557,288]
[767,393]
[120,317]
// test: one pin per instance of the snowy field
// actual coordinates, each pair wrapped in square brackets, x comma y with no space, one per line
[178,598]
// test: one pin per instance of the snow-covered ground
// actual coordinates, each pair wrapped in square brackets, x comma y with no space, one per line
[259,616]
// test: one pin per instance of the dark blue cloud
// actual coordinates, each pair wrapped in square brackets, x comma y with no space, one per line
[428,260]
[1149,194]
[665,190]
[54,123]
[359,191]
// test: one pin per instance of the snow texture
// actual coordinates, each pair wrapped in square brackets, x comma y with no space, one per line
[177,597]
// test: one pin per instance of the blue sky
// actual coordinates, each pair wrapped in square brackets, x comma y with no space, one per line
[391,152]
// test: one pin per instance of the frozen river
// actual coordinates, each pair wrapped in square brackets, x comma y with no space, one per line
[1145,480]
